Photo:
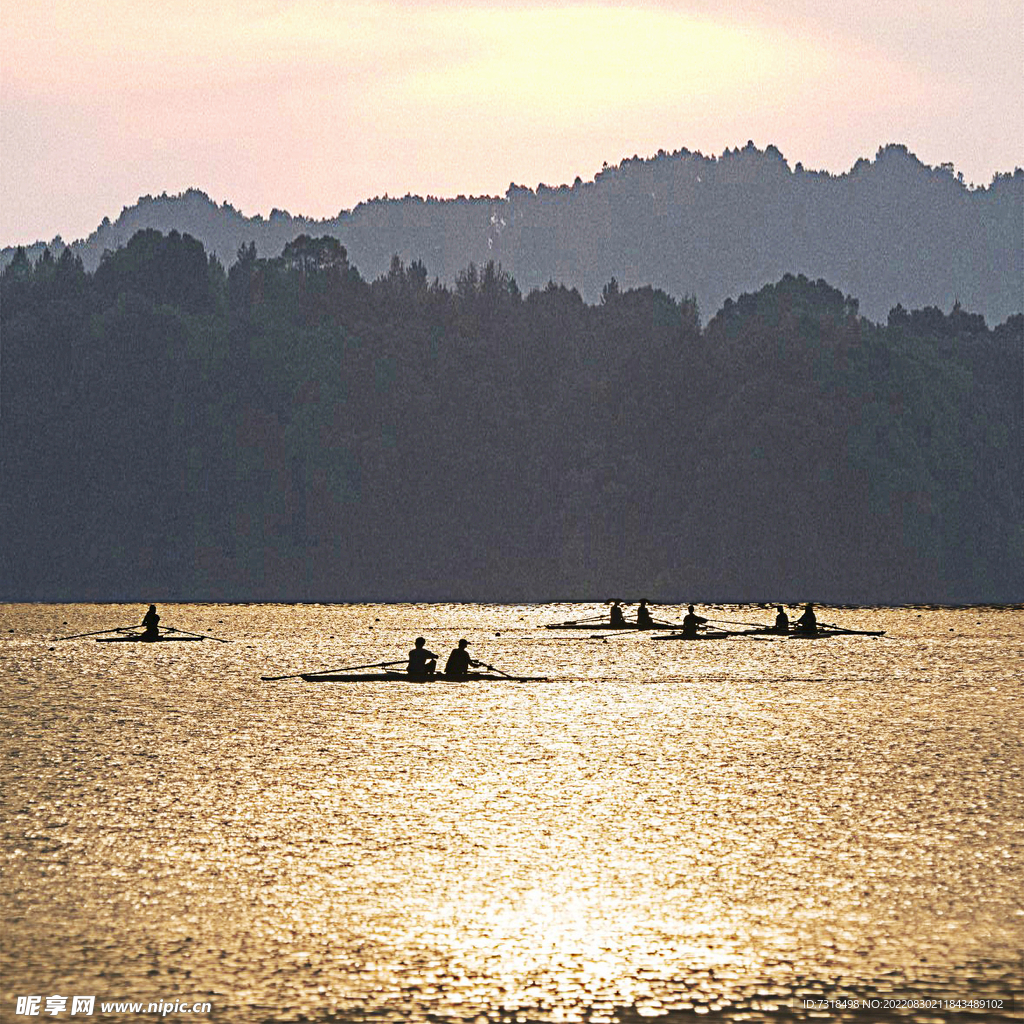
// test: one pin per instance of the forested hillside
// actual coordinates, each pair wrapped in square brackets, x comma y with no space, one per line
[289,430]
[891,230]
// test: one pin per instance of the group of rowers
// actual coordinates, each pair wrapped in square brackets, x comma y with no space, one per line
[807,624]
[423,662]
[643,616]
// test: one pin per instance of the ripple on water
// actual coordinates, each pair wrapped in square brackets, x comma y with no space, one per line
[730,830]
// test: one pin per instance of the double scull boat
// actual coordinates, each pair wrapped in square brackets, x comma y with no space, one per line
[403,677]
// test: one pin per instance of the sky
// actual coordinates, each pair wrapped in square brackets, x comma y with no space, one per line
[312,106]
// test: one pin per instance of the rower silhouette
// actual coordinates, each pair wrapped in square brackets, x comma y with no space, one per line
[691,622]
[617,618]
[808,622]
[421,661]
[150,622]
[643,617]
[457,665]
[781,621]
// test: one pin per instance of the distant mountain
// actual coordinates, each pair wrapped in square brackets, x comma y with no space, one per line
[891,231]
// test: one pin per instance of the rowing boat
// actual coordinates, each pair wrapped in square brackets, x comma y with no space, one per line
[699,636]
[822,634]
[607,625]
[144,639]
[402,677]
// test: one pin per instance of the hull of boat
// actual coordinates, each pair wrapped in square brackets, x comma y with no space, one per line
[697,638]
[145,640]
[591,626]
[822,634]
[402,677]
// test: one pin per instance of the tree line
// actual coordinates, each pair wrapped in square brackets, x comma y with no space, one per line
[288,430]
[889,230]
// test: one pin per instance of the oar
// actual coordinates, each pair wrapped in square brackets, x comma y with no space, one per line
[850,632]
[736,632]
[625,631]
[734,622]
[631,627]
[325,671]
[576,622]
[703,627]
[98,632]
[498,670]
[185,632]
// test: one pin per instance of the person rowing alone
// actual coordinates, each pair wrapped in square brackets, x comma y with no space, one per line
[808,622]
[150,621]
[691,623]
[422,662]
[458,663]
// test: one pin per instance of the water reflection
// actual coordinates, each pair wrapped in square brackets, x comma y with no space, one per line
[661,830]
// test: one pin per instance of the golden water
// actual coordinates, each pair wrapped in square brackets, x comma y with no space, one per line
[664,830]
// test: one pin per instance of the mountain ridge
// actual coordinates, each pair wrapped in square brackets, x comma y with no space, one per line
[891,230]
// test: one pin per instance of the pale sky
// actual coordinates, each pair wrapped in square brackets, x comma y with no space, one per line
[314,105]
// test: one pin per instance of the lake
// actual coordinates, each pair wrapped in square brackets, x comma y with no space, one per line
[752,829]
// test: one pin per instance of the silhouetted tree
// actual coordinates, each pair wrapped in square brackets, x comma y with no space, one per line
[291,431]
